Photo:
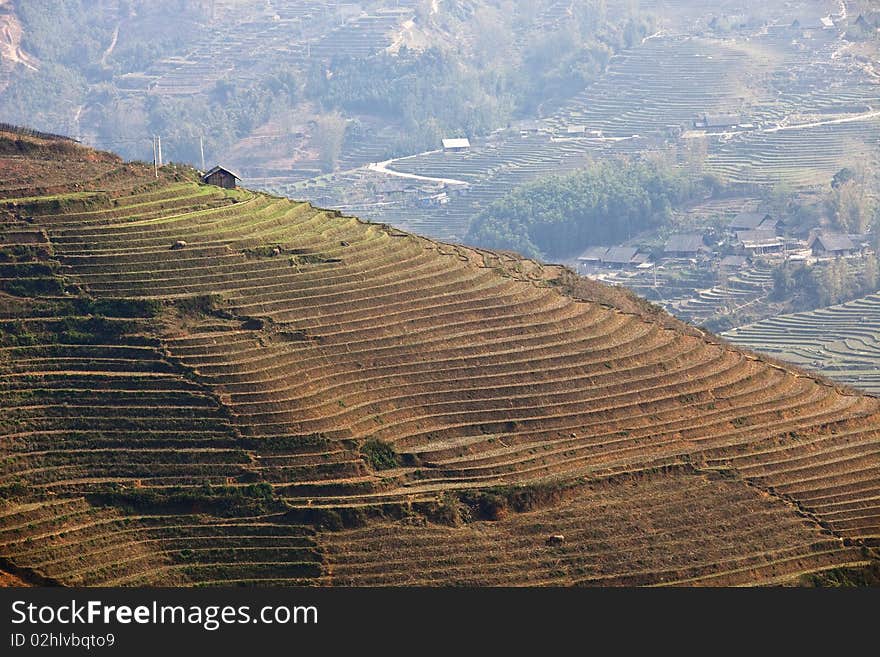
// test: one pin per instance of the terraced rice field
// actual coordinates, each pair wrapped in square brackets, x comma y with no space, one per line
[610,539]
[207,387]
[747,287]
[799,157]
[842,342]
[243,40]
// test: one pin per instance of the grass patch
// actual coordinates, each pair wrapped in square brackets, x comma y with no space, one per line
[201,304]
[866,576]
[58,203]
[221,500]
[379,455]
[301,258]
[493,503]
[13,490]
[24,252]
[267,251]
[33,287]
[122,308]
[286,443]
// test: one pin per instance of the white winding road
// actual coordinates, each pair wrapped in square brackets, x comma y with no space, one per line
[382,167]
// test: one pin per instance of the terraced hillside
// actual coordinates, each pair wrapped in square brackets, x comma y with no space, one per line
[804,106]
[205,386]
[841,341]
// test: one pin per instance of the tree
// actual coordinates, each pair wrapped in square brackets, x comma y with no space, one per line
[850,207]
[496,37]
[843,176]
[591,15]
[328,138]
[871,275]
[783,281]
[696,152]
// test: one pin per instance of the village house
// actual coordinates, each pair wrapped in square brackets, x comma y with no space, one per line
[831,245]
[733,263]
[457,187]
[673,131]
[529,128]
[685,246]
[393,187]
[456,145]
[754,221]
[862,22]
[439,198]
[716,122]
[813,26]
[593,255]
[620,257]
[221,177]
[757,242]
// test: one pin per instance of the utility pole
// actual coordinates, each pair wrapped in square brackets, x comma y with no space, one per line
[159,142]
[202,150]
[155,158]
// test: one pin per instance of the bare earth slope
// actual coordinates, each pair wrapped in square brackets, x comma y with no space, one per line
[206,387]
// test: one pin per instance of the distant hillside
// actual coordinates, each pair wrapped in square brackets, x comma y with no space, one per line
[203,386]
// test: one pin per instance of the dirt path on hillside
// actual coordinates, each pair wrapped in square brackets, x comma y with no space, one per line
[112,45]
[10,39]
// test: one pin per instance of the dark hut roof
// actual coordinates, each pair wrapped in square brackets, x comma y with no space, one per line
[834,242]
[219,169]
[593,253]
[620,255]
[687,243]
[717,120]
[748,220]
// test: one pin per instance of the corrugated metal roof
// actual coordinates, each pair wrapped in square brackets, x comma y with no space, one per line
[458,142]
[757,239]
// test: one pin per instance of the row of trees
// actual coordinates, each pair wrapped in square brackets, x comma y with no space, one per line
[604,204]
